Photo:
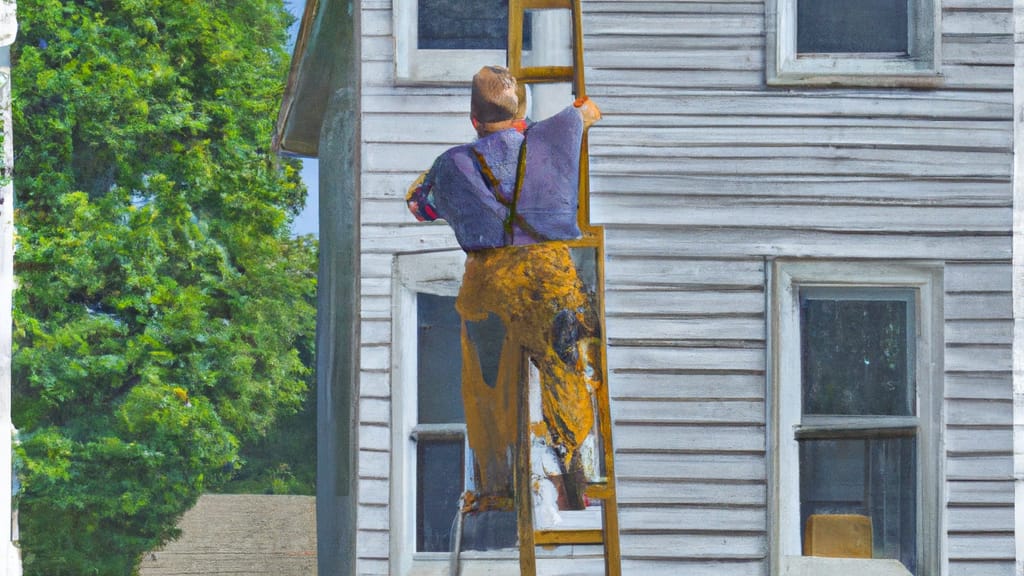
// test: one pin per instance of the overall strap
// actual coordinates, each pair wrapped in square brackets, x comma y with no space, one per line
[513,218]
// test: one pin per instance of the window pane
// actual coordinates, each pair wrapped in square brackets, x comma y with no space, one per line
[466,25]
[825,26]
[439,359]
[439,470]
[857,355]
[876,478]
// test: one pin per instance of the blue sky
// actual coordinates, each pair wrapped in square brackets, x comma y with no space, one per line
[308,221]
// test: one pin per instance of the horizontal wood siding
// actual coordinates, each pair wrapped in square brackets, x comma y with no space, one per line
[699,174]
[979,419]
[687,356]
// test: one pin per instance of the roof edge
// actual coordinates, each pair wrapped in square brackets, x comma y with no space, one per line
[279,142]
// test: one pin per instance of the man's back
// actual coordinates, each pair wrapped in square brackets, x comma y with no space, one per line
[472,186]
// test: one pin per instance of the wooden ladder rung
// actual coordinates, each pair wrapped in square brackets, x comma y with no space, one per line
[600,491]
[542,74]
[563,537]
[546,4]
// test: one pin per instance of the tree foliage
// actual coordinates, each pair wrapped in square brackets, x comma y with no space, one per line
[163,315]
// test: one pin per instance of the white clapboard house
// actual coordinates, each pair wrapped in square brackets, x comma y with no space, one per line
[776,190]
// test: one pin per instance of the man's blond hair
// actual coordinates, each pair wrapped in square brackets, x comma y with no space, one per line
[494,97]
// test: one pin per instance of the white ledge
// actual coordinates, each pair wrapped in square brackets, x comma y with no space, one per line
[814,566]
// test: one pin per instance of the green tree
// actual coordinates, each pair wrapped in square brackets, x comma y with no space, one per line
[164,316]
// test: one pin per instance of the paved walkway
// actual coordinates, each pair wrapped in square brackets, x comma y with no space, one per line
[251,535]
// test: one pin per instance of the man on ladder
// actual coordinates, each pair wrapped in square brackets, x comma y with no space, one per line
[511,198]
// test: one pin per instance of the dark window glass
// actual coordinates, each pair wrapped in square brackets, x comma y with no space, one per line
[874,477]
[439,361]
[439,462]
[865,26]
[466,25]
[439,473]
[857,355]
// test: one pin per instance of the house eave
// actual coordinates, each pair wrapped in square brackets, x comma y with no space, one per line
[311,80]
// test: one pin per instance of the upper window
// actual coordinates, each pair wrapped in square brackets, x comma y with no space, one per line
[461,25]
[447,41]
[856,397]
[862,42]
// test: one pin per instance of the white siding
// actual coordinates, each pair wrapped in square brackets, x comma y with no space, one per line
[979,418]
[687,360]
[700,172]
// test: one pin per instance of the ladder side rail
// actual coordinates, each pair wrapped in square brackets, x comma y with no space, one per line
[522,479]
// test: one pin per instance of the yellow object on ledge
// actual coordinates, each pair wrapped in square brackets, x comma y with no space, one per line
[838,536]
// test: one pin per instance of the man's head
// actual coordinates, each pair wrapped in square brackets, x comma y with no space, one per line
[494,101]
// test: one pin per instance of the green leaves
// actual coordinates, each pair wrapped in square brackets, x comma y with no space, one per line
[164,315]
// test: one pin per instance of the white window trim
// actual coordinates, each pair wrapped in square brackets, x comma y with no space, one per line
[784,405]
[921,70]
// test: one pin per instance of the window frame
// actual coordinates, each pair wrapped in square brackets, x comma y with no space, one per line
[784,411]
[439,273]
[921,69]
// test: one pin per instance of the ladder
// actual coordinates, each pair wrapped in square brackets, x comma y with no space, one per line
[592,239]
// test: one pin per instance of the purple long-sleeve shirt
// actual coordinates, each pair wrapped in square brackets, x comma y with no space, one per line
[459,189]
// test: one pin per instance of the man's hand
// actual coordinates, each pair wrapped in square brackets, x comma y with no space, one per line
[589,111]
[419,200]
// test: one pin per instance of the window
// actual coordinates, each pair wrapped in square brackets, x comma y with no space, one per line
[431,463]
[429,455]
[447,41]
[855,414]
[430,460]
[862,42]
[462,25]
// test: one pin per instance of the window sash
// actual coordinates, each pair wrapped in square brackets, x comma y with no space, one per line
[876,477]
[414,66]
[851,295]
[438,432]
[437,273]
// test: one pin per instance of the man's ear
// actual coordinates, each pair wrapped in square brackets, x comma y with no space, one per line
[476,123]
